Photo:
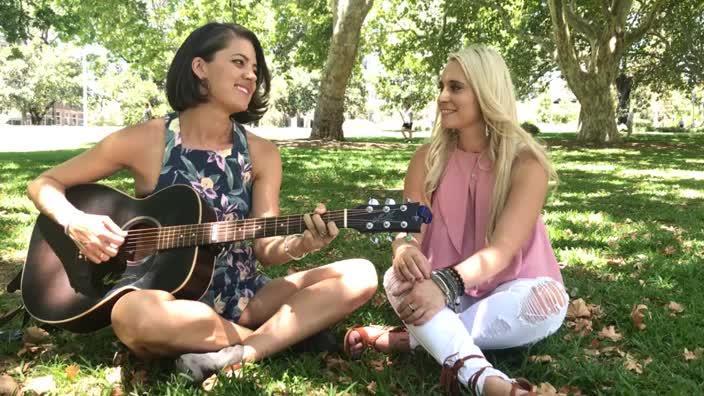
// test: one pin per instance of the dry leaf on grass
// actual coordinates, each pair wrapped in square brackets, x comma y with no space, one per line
[371,388]
[378,300]
[336,363]
[35,335]
[692,355]
[117,390]
[669,250]
[570,390]
[377,365]
[610,333]
[72,371]
[637,316]
[209,384]
[540,358]
[546,389]
[675,308]
[578,309]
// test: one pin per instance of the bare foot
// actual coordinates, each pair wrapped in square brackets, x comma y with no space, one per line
[380,338]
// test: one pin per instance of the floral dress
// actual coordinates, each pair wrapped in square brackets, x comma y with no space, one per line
[226,184]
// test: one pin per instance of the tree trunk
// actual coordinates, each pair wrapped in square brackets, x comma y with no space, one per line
[348,17]
[597,116]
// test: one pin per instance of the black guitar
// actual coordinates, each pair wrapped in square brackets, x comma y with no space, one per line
[165,249]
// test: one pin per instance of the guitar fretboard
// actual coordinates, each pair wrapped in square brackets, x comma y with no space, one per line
[229,231]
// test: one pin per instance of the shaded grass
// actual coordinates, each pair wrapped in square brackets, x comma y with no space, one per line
[625,221]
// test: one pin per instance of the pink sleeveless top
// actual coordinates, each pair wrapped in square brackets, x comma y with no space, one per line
[460,207]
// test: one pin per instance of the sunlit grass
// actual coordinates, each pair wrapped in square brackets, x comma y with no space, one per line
[626,225]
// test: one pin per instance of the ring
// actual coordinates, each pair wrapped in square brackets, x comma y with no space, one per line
[412,307]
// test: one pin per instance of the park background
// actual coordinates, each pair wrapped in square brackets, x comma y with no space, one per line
[613,88]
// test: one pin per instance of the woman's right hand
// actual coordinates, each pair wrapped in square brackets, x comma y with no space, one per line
[97,237]
[410,263]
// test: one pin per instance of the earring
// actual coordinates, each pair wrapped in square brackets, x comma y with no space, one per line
[486,130]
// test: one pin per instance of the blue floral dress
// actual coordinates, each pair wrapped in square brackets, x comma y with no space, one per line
[226,184]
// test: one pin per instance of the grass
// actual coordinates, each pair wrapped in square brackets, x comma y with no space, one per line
[625,222]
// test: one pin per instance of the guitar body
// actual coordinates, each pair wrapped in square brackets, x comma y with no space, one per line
[64,289]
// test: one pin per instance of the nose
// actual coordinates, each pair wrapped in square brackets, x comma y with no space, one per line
[250,75]
[443,96]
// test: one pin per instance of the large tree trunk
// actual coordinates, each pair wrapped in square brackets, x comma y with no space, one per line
[348,17]
[590,72]
[597,116]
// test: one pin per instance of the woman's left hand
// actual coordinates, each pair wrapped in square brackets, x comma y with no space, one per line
[423,301]
[318,235]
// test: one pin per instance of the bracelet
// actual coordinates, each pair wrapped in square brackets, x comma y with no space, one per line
[451,284]
[286,250]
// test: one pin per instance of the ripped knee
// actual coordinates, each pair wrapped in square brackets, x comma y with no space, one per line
[545,300]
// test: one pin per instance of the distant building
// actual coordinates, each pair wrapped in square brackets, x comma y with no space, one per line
[59,114]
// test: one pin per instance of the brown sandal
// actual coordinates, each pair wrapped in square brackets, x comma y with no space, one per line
[367,340]
[451,385]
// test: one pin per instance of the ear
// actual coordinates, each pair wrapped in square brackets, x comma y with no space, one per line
[199,67]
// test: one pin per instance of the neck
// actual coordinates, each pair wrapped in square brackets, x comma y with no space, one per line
[205,125]
[473,138]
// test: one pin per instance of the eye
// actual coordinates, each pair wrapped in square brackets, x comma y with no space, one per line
[238,62]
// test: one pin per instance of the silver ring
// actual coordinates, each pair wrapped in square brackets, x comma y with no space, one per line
[412,307]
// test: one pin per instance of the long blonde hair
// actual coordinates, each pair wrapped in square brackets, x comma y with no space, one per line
[490,80]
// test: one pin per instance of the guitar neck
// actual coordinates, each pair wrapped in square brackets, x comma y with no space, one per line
[236,230]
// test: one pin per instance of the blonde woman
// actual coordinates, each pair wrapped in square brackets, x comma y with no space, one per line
[483,274]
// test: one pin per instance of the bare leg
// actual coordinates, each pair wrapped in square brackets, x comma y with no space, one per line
[153,323]
[299,305]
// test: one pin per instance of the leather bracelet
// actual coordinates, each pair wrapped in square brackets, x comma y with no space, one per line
[288,252]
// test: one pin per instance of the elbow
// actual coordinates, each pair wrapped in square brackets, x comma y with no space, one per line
[33,188]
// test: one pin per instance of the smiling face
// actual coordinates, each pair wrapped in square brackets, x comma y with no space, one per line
[231,75]
[457,102]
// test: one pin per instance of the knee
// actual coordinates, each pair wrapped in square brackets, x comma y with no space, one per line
[391,280]
[360,276]
[134,317]
[546,300]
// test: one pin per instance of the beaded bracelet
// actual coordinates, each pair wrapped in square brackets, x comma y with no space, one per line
[286,249]
[451,284]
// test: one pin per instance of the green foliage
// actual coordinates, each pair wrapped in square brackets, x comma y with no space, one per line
[36,76]
[302,33]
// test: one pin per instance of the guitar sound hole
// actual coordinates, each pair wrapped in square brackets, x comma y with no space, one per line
[141,243]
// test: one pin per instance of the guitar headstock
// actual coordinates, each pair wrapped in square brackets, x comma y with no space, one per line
[389,217]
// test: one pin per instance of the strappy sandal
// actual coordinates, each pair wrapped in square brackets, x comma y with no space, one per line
[451,385]
[367,340]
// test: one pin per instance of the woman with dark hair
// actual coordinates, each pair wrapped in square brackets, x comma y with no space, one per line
[218,80]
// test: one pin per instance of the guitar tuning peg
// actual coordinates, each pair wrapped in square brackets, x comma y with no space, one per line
[373,201]
[375,240]
[389,201]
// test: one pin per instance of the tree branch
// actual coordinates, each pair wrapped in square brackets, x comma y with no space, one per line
[506,20]
[578,23]
[648,21]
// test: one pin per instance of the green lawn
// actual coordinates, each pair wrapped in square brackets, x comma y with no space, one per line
[625,221]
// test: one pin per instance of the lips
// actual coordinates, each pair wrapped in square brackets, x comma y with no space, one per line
[242,89]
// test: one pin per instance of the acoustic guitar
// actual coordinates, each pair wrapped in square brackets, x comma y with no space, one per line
[171,245]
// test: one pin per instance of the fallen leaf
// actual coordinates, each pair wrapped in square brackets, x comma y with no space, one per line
[8,385]
[332,362]
[637,316]
[546,389]
[540,358]
[689,355]
[117,390]
[371,388]
[583,326]
[610,333]
[669,250]
[40,385]
[35,335]
[632,364]
[675,308]
[72,371]
[570,390]
[578,309]
[377,365]
[378,300]
[616,261]
[209,384]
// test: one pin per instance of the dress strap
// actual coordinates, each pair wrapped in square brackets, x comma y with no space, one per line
[169,137]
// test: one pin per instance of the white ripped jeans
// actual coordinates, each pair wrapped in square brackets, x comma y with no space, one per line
[516,313]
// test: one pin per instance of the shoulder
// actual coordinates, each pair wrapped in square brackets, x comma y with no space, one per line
[527,167]
[418,159]
[146,132]
[260,147]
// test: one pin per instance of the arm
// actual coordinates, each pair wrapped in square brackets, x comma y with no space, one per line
[265,203]
[94,234]
[408,260]
[529,186]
